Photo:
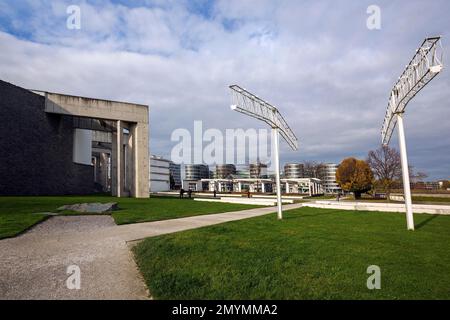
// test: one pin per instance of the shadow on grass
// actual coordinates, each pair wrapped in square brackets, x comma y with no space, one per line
[426,221]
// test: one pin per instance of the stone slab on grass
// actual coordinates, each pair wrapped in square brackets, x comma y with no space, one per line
[91,207]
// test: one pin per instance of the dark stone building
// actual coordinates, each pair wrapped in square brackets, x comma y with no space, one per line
[36,148]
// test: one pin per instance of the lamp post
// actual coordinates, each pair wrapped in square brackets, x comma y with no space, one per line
[424,66]
[247,103]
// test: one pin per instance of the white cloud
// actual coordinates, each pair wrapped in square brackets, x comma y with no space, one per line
[328,74]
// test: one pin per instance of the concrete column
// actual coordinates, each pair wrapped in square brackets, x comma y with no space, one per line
[116,171]
[287,187]
[263,187]
[95,165]
[139,168]
[102,177]
[129,162]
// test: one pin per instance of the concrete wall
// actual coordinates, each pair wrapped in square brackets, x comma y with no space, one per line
[36,148]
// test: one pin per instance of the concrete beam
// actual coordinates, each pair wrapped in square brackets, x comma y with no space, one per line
[95,108]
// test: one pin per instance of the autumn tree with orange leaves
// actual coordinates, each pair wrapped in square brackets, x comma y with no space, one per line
[355,176]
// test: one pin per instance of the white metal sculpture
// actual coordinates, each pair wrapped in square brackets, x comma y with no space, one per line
[424,66]
[251,105]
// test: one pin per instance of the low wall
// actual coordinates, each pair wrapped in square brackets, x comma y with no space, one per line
[384,207]
[269,196]
[230,195]
[395,197]
[253,201]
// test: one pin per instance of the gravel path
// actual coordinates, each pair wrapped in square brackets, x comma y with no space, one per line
[34,264]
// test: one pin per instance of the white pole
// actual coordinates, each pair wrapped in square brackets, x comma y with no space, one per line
[276,138]
[405,173]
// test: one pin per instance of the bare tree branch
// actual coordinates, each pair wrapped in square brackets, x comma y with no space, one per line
[385,163]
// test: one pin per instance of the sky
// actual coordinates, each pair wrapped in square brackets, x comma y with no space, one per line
[328,74]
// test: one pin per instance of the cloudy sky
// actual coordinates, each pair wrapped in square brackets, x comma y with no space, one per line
[316,60]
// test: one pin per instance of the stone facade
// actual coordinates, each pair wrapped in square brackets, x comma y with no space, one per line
[36,148]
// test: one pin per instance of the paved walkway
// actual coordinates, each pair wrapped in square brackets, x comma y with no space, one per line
[34,265]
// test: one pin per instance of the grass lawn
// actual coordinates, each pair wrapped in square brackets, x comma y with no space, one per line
[16,213]
[311,254]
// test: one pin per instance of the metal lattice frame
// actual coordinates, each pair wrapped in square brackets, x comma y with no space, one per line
[424,66]
[249,104]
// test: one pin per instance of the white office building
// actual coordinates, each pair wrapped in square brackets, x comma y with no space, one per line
[159,174]
[327,173]
[309,186]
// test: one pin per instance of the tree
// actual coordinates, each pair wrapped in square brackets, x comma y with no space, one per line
[311,169]
[355,176]
[418,176]
[386,165]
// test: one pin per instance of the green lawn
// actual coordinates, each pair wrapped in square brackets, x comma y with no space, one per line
[16,213]
[311,254]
